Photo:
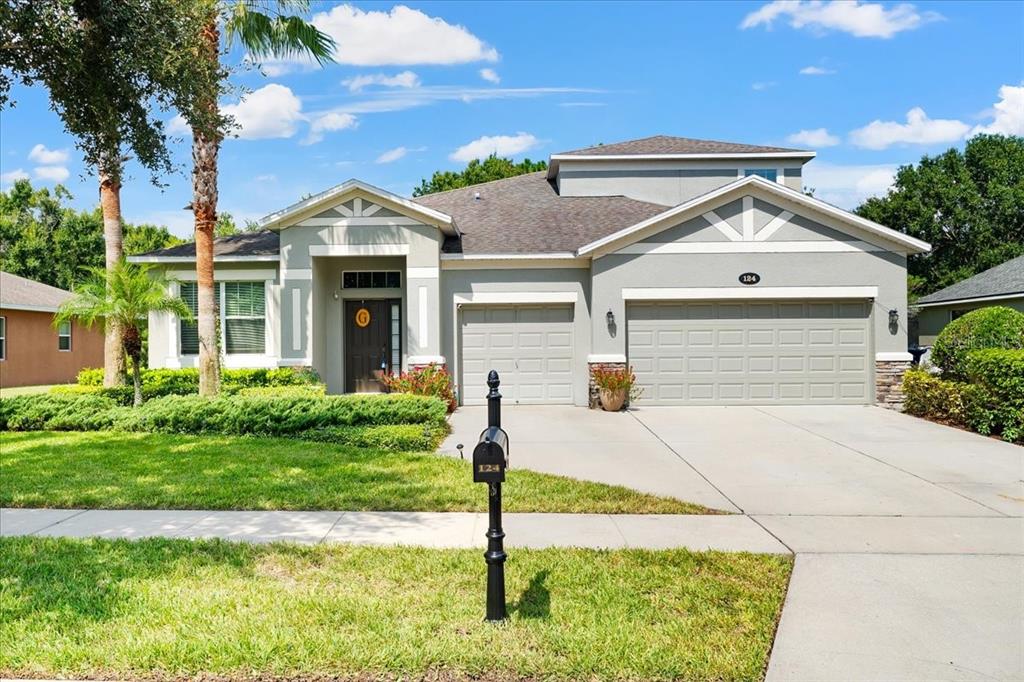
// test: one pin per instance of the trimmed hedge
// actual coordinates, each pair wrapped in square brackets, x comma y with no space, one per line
[991,403]
[185,381]
[310,391]
[412,420]
[993,327]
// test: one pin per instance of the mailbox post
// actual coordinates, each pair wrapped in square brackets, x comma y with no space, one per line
[490,459]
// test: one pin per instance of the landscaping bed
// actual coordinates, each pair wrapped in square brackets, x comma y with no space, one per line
[116,470]
[175,609]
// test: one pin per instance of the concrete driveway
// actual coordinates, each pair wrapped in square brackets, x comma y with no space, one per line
[908,535]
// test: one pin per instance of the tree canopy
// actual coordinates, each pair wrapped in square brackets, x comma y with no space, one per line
[969,205]
[43,239]
[477,171]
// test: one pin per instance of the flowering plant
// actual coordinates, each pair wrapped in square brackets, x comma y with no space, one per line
[432,380]
[616,379]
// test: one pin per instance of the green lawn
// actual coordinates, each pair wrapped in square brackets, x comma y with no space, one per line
[174,608]
[112,470]
[8,392]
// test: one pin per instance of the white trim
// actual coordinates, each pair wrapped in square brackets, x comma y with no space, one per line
[424,327]
[722,226]
[294,362]
[296,318]
[729,293]
[509,256]
[672,157]
[893,357]
[371,209]
[773,226]
[28,307]
[357,206]
[748,218]
[192,259]
[780,175]
[959,301]
[225,275]
[905,241]
[344,210]
[276,219]
[741,173]
[525,297]
[422,273]
[359,250]
[297,274]
[425,360]
[747,247]
[610,357]
[359,222]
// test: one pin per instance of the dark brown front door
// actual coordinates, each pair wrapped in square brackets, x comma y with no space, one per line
[367,345]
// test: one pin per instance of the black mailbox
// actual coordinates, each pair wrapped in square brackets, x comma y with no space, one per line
[490,456]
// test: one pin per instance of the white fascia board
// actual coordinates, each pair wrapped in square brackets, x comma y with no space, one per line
[976,299]
[275,219]
[359,250]
[756,181]
[655,248]
[28,307]
[496,297]
[744,293]
[192,259]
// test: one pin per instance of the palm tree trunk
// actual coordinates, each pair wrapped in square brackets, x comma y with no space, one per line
[205,147]
[110,205]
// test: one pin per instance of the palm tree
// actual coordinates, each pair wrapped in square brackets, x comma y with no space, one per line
[271,28]
[124,297]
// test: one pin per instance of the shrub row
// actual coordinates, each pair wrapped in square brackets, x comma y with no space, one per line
[992,327]
[185,381]
[229,415]
[992,402]
[433,380]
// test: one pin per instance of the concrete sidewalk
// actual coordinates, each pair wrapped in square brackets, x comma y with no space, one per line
[733,533]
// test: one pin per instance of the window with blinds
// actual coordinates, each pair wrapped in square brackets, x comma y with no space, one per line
[242,321]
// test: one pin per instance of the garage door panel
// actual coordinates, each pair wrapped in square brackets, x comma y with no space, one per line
[751,352]
[531,347]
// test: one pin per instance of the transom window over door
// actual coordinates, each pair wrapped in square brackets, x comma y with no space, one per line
[371,279]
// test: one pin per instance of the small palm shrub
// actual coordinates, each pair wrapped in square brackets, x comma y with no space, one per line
[429,380]
[994,327]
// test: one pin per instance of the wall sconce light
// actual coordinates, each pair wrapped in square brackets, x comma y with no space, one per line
[336,295]
[610,318]
[894,318]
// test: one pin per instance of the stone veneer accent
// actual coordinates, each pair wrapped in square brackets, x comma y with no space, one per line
[889,383]
[594,394]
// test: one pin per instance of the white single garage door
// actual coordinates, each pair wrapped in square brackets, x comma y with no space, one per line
[530,346]
[746,352]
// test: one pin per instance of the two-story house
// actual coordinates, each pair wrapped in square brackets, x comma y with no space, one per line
[701,264]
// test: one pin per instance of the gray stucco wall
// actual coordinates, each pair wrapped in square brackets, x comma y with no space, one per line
[931,320]
[512,281]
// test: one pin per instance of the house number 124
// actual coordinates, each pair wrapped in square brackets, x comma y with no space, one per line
[750,278]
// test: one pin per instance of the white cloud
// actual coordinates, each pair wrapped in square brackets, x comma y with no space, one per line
[329,122]
[919,129]
[1007,114]
[392,155]
[848,186]
[502,145]
[816,137]
[51,173]
[270,112]
[10,177]
[490,75]
[763,85]
[400,36]
[405,79]
[816,71]
[860,19]
[48,157]
[270,177]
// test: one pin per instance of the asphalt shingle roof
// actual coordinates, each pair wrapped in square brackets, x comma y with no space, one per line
[525,214]
[667,144]
[1001,280]
[19,291]
[261,243]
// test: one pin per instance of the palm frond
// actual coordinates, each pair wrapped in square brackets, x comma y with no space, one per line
[267,31]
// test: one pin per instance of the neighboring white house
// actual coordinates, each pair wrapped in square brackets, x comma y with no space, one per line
[701,264]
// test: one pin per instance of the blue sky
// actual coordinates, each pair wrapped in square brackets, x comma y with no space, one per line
[423,86]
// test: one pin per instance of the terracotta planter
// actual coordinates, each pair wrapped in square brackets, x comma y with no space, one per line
[612,400]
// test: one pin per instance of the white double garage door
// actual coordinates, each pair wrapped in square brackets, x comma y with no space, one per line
[683,353]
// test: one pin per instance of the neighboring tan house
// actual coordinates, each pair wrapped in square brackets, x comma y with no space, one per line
[701,264]
[1002,285]
[32,351]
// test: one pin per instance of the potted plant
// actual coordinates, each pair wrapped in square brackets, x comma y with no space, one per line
[615,385]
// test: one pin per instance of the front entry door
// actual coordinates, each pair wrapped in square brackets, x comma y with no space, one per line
[367,345]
